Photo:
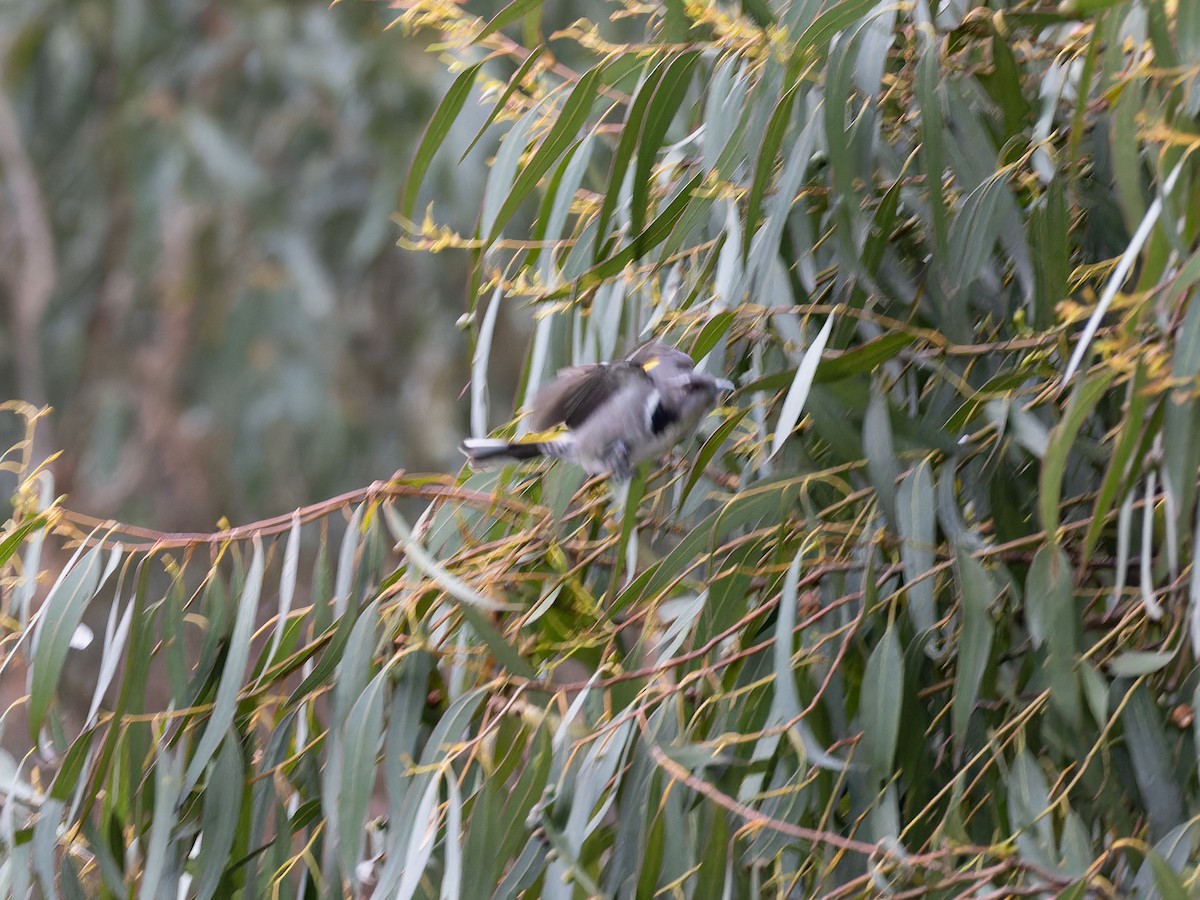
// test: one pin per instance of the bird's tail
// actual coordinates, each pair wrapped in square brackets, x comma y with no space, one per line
[491,452]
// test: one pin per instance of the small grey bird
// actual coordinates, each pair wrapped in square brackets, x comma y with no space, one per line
[616,414]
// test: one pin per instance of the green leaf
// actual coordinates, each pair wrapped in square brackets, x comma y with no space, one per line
[1051,234]
[455,587]
[863,358]
[764,166]
[15,538]
[222,810]
[44,843]
[785,704]
[515,82]
[362,731]
[916,507]
[515,10]
[232,674]
[882,701]
[1135,663]
[1131,432]
[439,126]
[417,840]
[334,642]
[58,619]
[1062,439]
[563,133]
[626,498]
[659,114]
[656,232]
[167,791]
[676,22]
[130,696]
[1054,624]
[71,770]
[1150,757]
[725,114]
[714,329]
[287,591]
[525,871]
[882,228]
[978,592]
[1004,84]
[1029,810]
[977,227]
[506,655]
[347,562]
[793,403]
[1084,8]
[708,451]
[1167,880]
[631,133]
[556,204]
[357,666]
[933,133]
[479,364]
[834,18]
[452,851]
[1181,426]
[996,387]
[883,467]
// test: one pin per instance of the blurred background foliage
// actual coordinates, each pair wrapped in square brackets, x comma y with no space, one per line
[199,270]
[917,614]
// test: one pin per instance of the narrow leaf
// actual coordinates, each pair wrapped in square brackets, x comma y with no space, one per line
[793,404]
[435,133]
[561,136]
[659,114]
[916,507]
[1054,625]
[363,730]
[222,800]
[232,674]
[882,700]
[57,621]
[509,14]
[978,591]
[518,78]
[1062,440]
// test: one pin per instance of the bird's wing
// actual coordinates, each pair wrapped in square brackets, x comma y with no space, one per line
[577,392]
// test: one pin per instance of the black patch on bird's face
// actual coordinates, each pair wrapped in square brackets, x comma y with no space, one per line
[662,418]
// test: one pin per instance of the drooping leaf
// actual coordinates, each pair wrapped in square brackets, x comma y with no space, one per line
[793,403]
[1058,451]
[234,670]
[58,619]
[509,14]
[978,592]
[435,134]
[916,507]
[882,700]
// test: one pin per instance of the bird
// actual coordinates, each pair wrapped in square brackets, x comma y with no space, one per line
[610,417]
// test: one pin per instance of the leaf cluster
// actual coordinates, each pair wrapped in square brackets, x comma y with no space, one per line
[917,617]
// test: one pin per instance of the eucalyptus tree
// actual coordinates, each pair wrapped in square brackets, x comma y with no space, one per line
[916,613]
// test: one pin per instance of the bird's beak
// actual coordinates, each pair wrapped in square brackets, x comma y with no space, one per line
[724,385]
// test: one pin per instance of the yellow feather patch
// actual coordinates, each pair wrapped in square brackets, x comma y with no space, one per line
[650,364]
[535,437]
